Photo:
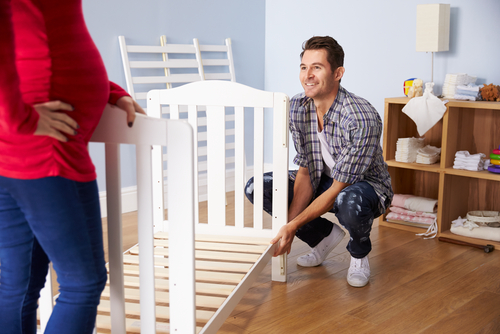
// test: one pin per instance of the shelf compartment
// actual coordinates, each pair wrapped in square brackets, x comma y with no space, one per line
[423,183]
[476,130]
[462,194]
[398,125]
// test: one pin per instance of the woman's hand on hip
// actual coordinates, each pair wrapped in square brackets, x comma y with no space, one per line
[53,123]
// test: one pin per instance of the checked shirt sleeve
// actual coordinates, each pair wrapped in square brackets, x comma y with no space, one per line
[355,159]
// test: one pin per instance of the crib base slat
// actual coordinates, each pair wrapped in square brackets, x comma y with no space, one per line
[221,264]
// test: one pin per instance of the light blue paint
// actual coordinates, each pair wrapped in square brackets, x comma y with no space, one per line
[378,38]
[143,22]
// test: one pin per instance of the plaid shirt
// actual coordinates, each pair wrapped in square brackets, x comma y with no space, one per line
[352,127]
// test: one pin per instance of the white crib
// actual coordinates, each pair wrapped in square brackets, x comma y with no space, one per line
[171,260]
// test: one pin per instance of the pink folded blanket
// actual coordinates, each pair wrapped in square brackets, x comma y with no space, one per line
[415,203]
[412,213]
[408,218]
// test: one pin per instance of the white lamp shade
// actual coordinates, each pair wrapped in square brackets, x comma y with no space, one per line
[433,27]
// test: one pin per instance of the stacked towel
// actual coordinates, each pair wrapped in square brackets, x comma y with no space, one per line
[469,92]
[406,149]
[451,82]
[428,155]
[467,161]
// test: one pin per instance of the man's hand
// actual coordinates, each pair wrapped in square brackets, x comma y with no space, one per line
[53,123]
[286,235]
[131,107]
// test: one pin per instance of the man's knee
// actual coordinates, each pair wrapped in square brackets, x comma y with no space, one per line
[249,190]
[352,205]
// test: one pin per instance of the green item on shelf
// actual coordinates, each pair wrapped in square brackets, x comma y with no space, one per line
[495,156]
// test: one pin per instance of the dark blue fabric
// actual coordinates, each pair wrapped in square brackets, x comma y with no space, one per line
[355,207]
[52,219]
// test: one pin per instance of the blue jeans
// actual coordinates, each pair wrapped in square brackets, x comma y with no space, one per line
[50,219]
[355,207]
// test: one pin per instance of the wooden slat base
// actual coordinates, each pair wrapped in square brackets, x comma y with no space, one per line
[221,264]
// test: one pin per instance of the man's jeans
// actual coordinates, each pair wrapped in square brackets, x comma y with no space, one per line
[54,219]
[355,207]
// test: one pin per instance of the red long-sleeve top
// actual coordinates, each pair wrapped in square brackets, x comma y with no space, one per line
[46,54]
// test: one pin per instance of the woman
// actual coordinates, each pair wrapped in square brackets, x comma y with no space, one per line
[53,89]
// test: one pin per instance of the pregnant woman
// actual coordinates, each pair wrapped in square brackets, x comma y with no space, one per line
[53,89]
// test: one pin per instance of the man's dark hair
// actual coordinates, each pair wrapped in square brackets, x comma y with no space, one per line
[334,52]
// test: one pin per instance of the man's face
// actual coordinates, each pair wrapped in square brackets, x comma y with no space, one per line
[316,75]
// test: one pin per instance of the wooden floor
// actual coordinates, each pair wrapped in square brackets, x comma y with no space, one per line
[417,286]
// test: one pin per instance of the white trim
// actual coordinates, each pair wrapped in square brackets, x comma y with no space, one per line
[129,200]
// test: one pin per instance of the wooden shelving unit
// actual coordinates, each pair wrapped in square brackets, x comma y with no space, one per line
[469,126]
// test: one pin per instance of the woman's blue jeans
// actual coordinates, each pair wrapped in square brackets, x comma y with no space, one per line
[355,207]
[50,219]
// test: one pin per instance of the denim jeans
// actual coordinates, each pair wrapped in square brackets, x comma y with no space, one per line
[355,207]
[50,219]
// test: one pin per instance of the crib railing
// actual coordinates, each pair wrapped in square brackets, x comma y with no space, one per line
[146,131]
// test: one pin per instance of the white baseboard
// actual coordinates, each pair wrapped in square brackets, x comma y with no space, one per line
[129,200]
[129,194]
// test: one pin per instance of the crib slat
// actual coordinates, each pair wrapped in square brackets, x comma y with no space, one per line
[205,288]
[237,248]
[208,255]
[164,298]
[162,312]
[258,193]
[201,276]
[239,166]
[216,167]
[222,239]
[230,267]
[193,120]
[145,236]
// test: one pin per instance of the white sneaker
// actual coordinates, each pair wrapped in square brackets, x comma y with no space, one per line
[320,252]
[359,272]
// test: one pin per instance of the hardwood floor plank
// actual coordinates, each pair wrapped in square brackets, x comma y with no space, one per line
[483,309]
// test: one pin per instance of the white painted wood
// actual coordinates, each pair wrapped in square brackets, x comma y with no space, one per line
[145,237]
[231,59]
[193,121]
[280,177]
[216,166]
[181,228]
[258,161]
[219,93]
[115,242]
[201,70]
[239,168]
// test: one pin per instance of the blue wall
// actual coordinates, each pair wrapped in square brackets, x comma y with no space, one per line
[143,22]
[378,38]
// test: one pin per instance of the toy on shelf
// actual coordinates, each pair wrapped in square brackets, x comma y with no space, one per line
[413,87]
[495,161]
[490,92]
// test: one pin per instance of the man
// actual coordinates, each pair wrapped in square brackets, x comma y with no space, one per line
[341,169]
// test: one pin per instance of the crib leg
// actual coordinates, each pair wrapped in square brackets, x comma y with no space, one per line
[279,267]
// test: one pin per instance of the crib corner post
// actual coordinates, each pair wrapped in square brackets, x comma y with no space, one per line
[180,178]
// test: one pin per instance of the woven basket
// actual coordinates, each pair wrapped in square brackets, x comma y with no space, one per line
[486,218]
